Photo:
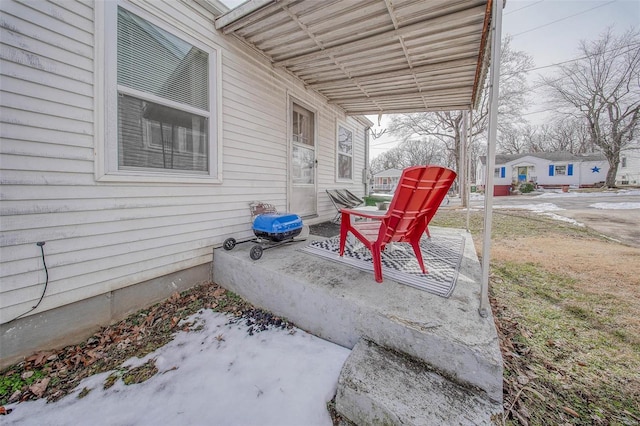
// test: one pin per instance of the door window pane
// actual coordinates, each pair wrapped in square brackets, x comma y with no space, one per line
[302,126]
[302,165]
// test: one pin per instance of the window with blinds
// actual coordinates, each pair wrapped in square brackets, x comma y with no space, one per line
[163,99]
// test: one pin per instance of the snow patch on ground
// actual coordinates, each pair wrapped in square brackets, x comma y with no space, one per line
[563,219]
[615,206]
[217,375]
[560,194]
[543,209]
[537,208]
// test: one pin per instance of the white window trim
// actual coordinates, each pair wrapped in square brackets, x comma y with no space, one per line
[338,153]
[566,169]
[106,106]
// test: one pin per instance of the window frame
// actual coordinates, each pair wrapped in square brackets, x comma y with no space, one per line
[565,171]
[339,153]
[106,92]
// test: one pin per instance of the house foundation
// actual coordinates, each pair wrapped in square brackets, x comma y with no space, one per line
[74,322]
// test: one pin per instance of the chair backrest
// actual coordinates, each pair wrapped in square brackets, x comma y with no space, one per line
[418,195]
[339,200]
[353,198]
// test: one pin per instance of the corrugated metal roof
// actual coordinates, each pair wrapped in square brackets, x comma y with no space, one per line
[373,56]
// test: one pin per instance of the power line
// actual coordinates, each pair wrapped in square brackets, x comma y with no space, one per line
[381,143]
[630,46]
[562,19]
[538,112]
[523,7]
[546,83]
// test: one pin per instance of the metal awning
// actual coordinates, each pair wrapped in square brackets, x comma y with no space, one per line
[373,56]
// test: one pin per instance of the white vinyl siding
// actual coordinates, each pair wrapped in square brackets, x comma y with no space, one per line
[103,235]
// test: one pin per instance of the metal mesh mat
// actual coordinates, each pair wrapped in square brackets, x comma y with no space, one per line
[442,256]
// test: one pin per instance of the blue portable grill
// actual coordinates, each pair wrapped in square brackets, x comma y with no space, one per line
[277,226]
[271,230]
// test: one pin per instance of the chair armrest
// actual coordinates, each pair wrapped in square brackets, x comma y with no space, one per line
[364,214]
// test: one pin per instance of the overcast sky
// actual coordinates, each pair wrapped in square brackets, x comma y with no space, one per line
[550,31]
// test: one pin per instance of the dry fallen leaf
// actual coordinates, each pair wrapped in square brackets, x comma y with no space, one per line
[536,393]
[39,358]
[571,411]
[174,321]
[39,387]
[15,396]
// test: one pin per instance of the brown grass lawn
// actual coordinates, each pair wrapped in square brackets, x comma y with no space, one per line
[567,306]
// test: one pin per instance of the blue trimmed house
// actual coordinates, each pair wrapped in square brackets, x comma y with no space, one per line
[546,169]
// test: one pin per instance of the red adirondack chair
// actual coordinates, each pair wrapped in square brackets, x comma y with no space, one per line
[418,195]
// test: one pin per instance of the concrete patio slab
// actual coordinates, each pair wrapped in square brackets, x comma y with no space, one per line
[343,305]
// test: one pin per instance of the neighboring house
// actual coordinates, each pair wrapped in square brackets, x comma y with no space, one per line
[132,160]
[386,180]
[546,169]
[629,167]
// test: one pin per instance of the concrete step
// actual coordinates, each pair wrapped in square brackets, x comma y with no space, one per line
[378,386]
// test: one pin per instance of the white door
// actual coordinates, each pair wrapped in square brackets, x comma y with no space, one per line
[303,162]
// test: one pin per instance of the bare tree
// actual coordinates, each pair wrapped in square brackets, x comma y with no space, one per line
[408,153]
[569,135]
[446,127]
[390,159]
[421,152]
[512,141]
[533,138]
[603,89]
